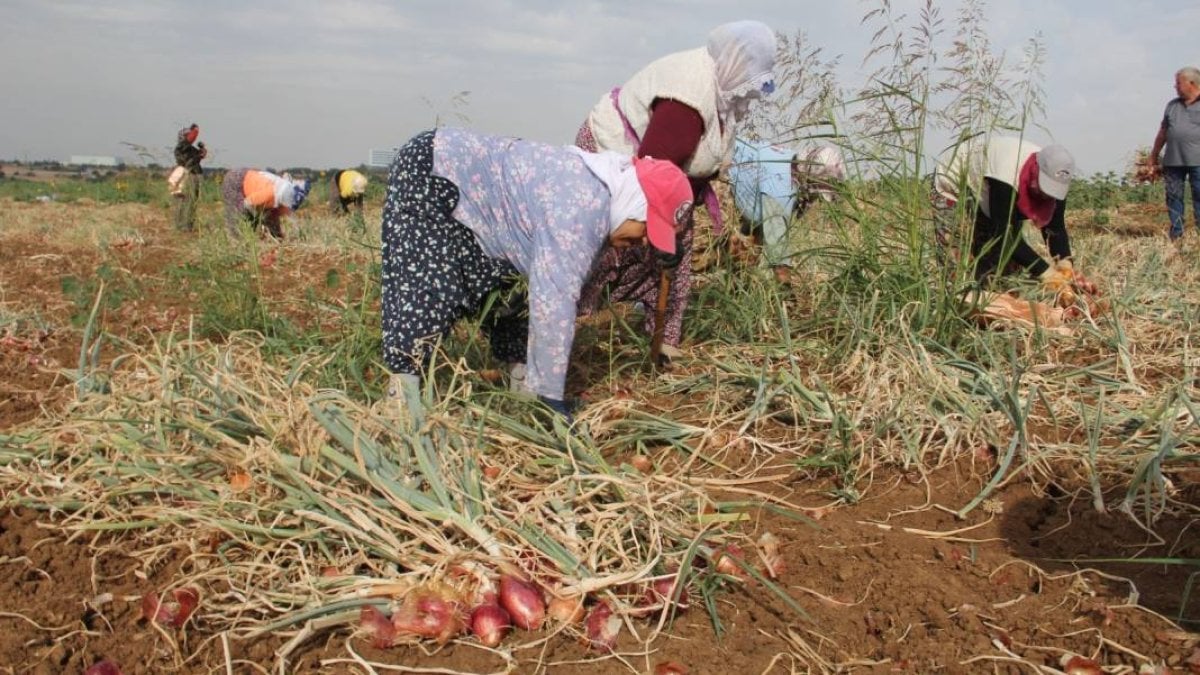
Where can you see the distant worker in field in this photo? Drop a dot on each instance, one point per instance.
(347, 188)
(684, 108)
(187, 177)
(1179, 133)
(774, 186)
(261, 198)
(1005, 181)
(467, 214)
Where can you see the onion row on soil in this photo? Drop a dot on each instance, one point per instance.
(301, 504)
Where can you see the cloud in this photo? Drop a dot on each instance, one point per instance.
(313, 82)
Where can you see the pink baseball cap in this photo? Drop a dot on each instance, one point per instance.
(668, 200)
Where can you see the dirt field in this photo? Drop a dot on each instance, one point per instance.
(891, 584)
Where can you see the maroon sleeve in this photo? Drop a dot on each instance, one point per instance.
(673, 133)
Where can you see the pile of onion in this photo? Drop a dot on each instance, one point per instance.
(438, 612)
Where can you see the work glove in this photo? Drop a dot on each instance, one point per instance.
(669, 261)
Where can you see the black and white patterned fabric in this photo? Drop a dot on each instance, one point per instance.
(434, 271)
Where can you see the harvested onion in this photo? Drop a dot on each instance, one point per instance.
(642, 463)
(602, 627)
(430, 612)
(174, 612)
(104, 667)
(1078, 665)
(772, 558)
(523, 601)
(378, 626)
(661, 591)
(565, 610)
(728, 560)
(490, 623)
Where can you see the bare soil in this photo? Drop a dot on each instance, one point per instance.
(891, 584)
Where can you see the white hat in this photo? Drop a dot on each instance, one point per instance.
(1056, 168)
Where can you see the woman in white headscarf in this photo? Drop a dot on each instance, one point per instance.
(683, 107)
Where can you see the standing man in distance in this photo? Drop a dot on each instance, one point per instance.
(1179, 133)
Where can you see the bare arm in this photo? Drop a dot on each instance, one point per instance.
(1159, 141)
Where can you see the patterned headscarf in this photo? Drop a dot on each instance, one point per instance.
(744, 52)
(299, 192)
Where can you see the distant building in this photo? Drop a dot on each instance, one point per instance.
(380, 158)
(94, 160)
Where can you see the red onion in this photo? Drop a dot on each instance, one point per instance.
(1078, 665)
(523, 601)
(660, 592)
(642, 463)
(670, 668)
(429, 613)
(378, 626)
(566, 610)
(490, 623)
(601, 628)
(105, 667)
(725, 558)
(173, 612)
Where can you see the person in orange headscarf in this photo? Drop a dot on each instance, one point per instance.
(260, 197)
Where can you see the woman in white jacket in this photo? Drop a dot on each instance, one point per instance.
(684, 108)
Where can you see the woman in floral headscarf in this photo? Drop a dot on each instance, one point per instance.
(683, 107)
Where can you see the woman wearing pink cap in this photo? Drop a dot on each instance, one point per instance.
(683, 107)
(466, 214)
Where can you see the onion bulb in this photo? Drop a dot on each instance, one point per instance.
(523, 601)
(642, 463)
(662, 590)
(772, 558)
(104, 667)
(728, 560)
(430, 612)
(602, 627)
(490, 623)
(566, 610)
(1078, 665)
(378, 626)
(670, 668)
(174, 612)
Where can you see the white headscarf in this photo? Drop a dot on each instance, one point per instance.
(824, 163)
(744, 52)
(615, 170)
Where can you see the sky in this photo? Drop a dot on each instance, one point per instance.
(318, 83)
